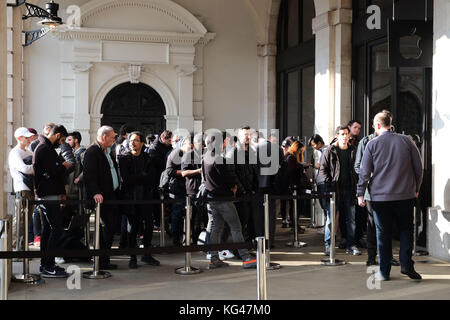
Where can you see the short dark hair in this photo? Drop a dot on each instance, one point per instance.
(166, 134)
(245, 127)
(351, 122)
(341, 127)
(124, 129)
(150, 138)
(75, 135)
(139, 134)
(59, 129)
(316, 139)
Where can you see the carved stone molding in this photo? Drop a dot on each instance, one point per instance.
(81, 67)
(94, 34)
(185, 71)
(134, 72)
(165, 8)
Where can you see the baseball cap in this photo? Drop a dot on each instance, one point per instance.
(22, 132)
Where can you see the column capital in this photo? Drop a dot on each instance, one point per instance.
(267, 49)
(81, 67)
(332, 18)
(185, 71)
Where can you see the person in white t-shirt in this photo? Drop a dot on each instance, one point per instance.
(21, 169)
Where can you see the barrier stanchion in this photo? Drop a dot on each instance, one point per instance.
(4, 284)
(269, 265)
(260, 269)
(333, 261)
(96, 273)
(296, 243)
(162, 224)
(188, 269)
(26, 277)
(88, 229)
(80, 211)
(312, 207)
(17, 210)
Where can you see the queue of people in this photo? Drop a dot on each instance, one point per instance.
(212, 166)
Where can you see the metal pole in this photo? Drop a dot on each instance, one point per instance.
(188, 269)
(4, 289)
(296, 243)
(312, 208)
(333, 261)
(162, 238)
(269, 265)
(415, 231)
(260, 270)
(26, 277)
(18, 233)
(96, 273)
(88, 230)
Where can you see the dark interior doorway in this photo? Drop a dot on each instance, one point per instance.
(138, 105)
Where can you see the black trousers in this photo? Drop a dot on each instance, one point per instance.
(258, 216)
(371, 233)
(140, 214)
(108, 223)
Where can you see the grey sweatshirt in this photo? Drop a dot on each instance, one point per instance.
(391, 168)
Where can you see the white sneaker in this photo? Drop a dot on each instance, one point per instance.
(208, 256)
(59, 260)
(225, 255)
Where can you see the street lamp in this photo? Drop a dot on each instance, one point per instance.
(50, 21)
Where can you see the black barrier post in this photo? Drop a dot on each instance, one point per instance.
(188, 269)
(332, 261)
(269, 265)
(4, 284)
(296, 243)
(162, 223)
(26, 277)
(96, 273)
(260, 270)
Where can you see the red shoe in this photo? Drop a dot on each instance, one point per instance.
(37, 241)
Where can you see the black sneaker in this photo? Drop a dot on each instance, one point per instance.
(371, 262)
(412, 274)
(148, 259)
(249, 263)
(55, 272)
(394, 262)
(214, 264)
(132, 264)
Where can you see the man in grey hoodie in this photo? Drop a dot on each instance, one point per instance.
(392, 171)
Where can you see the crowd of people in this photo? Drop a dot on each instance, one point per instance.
(214, 166)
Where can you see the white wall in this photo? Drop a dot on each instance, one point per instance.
(230, 63)
(230, 68)
(438, 241)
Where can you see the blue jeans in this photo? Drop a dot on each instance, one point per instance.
(221, 213)
(346, 208)
(384, 214)
(325, 205)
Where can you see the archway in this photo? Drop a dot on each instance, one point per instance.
(138, 105)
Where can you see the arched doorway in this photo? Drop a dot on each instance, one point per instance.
(138, 105)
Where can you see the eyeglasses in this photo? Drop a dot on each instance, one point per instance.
(135, 141)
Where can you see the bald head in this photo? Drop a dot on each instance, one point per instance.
(106, 136)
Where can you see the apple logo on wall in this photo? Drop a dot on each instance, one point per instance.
(410, 45)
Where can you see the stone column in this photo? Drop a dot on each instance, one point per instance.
(267, 91)
(3, 109)
(81, 118)
(332, 27)
(186, 97)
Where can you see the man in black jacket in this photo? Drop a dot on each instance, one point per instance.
(220, 183)
(338, 173)
(49, 177)
(242, 163)
(138, 182)
(102, 183)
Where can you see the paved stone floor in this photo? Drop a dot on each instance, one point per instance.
(301, 277)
